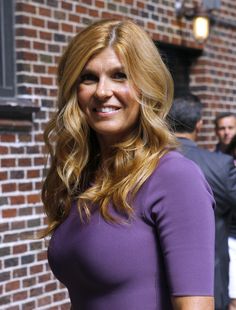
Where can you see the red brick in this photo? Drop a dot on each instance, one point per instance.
(9, 187)
(39, 69)
(44, 301)
(33, 198)
(17, 200)
(36, 269)
(11, 162)
(22, 43)
(29, 282)
(59, 296)
(21, 248)
(151, 25)
(67, 6)
(53, 25)
(26, 32)
(39, 22)
(45, 277)
(67, 28)
(24, 162)
(20, 296)
(3, 176)
(51, 70)
(140, 5)
(5, 299)
(45, 35)
(38, 185)
(33, 174)
(25, 187)
(22, 19)
(51, 287)
(4, 227)
(24, 7)
(38, 161)
(45, 12)
(3, 150)
(39, 46)
(29, 305)
(39, 210)
(9, 213)
(74, 18)
(12, 286)
(107, 15)
(93, 13)
(27, 56)
(8, 138)
(81, 9)
(46, 80)
(53, 92)
(18, 225)
(99, 4)
(20, 272)
(36, 291)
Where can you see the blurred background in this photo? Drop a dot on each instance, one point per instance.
(33, 35)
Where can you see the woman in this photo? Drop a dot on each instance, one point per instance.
(131, 219)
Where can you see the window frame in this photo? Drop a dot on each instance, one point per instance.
(7, 47)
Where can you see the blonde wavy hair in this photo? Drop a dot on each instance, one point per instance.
(76, 172)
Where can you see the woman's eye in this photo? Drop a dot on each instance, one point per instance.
(120, 76)
(88, 78)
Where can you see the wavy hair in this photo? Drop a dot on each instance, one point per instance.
(76, 172)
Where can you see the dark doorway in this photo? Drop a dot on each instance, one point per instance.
(179, 60)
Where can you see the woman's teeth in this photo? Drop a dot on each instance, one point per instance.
(106, 109)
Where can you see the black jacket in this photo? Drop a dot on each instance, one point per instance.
(220, 173)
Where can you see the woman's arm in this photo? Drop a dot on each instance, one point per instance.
(193, 303)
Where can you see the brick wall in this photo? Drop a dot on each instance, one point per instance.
(213, 76)
(42, 28)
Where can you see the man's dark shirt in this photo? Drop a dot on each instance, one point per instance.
(220, 173)
(232, 227)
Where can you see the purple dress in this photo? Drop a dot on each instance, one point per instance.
(166, 250)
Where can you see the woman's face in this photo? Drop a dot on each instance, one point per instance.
(107, 98)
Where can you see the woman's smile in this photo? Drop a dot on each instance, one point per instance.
(106, 110)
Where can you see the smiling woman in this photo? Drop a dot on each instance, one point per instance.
(108, 99)
(129, 230)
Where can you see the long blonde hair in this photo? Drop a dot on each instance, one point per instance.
(76, 172)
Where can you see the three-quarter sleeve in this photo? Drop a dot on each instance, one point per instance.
(180, 204)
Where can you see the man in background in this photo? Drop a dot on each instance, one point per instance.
(220, 172)
(225, 128)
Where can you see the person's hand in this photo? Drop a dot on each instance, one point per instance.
(193, 303)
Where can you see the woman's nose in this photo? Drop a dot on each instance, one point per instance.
(103, 89)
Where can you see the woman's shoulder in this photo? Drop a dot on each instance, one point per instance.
(174, 171)
(174, 163)
(176, 174)
(176, 185)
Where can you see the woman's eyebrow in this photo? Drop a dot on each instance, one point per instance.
(112, 69)
(116, 68)
(87, 70)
